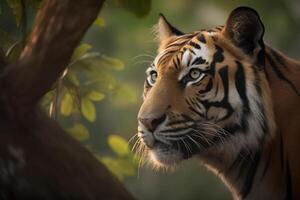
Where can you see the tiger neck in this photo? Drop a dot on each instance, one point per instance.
(265, 173)
(250, 174)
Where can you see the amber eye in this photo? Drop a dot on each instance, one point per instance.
(152, 77)
(195, 74)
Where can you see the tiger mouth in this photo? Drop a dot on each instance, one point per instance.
(183, 148)
(166, 146)
(162, 154)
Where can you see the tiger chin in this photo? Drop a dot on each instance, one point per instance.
(208, 94)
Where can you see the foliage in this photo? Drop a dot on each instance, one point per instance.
(118, 145)
(87, 81)
(79, 131)
(17, 7)
(124, 163)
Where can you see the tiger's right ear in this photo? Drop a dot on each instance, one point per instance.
(165, 30)
(245, 29)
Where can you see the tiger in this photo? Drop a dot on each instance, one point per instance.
(226, 97)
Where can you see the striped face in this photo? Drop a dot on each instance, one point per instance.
(201, 94)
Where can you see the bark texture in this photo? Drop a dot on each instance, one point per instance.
(38, 160)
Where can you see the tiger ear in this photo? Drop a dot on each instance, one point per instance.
(245, 29)
(165, 30)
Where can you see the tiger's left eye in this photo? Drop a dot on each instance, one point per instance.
(152, 76)
(195, 74)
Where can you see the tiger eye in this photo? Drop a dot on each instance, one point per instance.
(153, 76)
(195, 73)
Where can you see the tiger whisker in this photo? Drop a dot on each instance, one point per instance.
(201, 134)
(202, 137)
(143, 55)
(186, 146)
(143, 62)
(197, 144)
(135, 145)
(132, 138)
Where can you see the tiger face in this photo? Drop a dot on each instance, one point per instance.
(205, 93)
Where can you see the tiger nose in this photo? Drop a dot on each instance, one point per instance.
(152, 123)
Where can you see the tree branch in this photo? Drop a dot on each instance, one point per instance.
(59, 27)
(38, 160)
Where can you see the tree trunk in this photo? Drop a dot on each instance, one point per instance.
(38, 160)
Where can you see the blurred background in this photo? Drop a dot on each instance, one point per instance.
(118, 48)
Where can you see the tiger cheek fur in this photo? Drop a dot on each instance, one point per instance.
(207, 94)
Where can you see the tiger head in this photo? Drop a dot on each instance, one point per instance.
(206, 92)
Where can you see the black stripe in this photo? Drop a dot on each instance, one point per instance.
(164, 57)
(175, 64)
(232, 129)
(193, 103)
(278, 58)
(198, 61)
(240, 83)
(219, 28)
(176, 44)
(246, 163)
(208, 87)
(280, 74)
(223, 72)
(178, 60)
(267, 164)
(176, 122)
(196, 111)
(195, 45)
(189, 60)
(289, 189)
(242, 155)
(202, 39)
(173, 130)
(250, 175)
(192, 51)
(218, 57)
(211, 30)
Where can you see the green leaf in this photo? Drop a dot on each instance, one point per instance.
(138, 7)
(118, 145)
(79, 132)
(95, 96)
(99, 22)
(113, 166)
(72, 78)
(124, 96)
(94, 60)
(80, 51)
(16, 7)
(120, 167)
(88, 109)
(66, 105)
(113, 62)
(127, 167)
